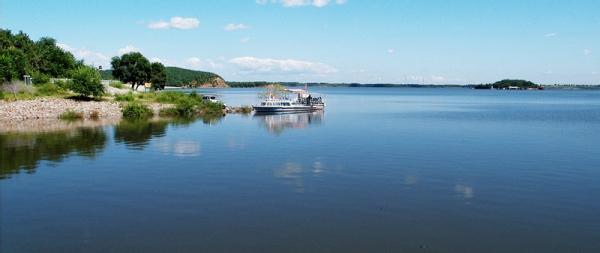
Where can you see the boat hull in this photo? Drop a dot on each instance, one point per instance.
(283, 108)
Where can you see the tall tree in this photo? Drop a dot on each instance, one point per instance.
(51, 59)
(131, 68)
(158, 75)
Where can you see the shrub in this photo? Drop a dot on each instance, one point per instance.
(17, 90)
(40, 78)
(186, 107)
(117, 84)
(86, 82)
(48, 89)
(64, 85)
(210, 108)
(168, 112)
(70, 115)
(125, 97)
(1, 94)
(136, 111)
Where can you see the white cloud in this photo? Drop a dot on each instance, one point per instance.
(182, 23)
(297, 3)
(198, 64)
(587, 51)
(128, 49)
(550, 35)
(88, 56)
(159, 60)
(244, 40)
(266, 65)
(391, 51)
(233, 27)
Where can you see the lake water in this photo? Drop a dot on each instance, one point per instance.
(381, 170)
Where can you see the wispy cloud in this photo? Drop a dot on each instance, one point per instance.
(128, 49)
(88, 56)
(391, 51)
(182, 23)
(548, 35)
(234, 27)
(266, 65)
(298, 3)
(244, 40)
(587, 51)
(199, 64)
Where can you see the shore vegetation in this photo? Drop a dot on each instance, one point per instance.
(136, 110)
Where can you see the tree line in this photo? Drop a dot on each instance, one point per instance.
(44, 59)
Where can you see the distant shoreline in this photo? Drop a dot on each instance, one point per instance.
(383, 85)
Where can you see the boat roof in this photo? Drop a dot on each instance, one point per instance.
(299, 91)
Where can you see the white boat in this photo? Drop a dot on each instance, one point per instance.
(281, 103)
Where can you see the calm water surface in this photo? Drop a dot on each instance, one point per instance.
(381, 170)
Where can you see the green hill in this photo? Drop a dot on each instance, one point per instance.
(184, 77)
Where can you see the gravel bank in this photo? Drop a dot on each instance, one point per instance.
(52, 108)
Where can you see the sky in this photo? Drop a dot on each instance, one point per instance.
(377, 41)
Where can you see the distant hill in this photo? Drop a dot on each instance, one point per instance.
(181, 77)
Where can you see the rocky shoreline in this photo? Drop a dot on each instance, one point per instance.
(52, 108)
(42, 114)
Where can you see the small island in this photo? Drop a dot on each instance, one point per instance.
(510, 84)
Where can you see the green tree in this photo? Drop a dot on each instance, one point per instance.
(86, 82)
(13, 62)
(131, 68)
(158, 75)
(51, 60)
(7, 68)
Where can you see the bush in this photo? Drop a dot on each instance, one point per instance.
(86, 82)
(117, 84)
(48, 89)
(1, 94)
(64, 85)
(70, 115)
(17, 90)
(186, 107)
(210, 108)
(168, 112)
(125, 97)
(136, 111)
(40, 78)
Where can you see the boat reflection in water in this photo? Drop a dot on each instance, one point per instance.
(278, 122)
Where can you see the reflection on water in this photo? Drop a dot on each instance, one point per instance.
(181, 148)
(466, 192)
(277, 123)
(24, 148)
(23, 151)
(297, 175)
(137, 134)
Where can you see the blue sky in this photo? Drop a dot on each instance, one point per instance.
(332, 40)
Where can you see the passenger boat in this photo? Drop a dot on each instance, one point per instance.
(281, 105)
(280, 102)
